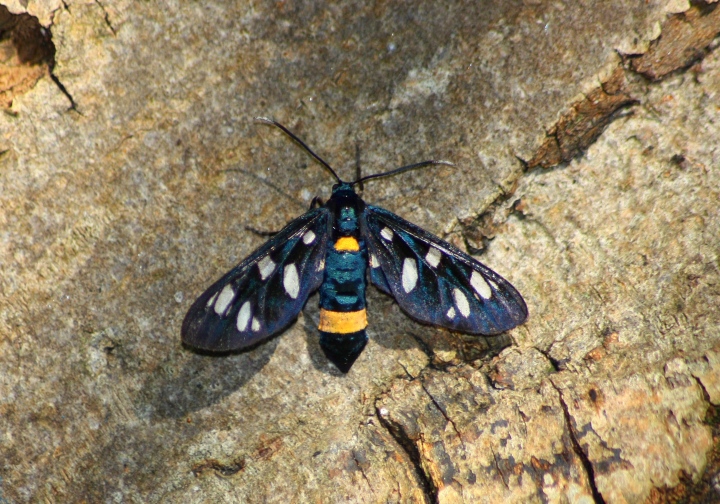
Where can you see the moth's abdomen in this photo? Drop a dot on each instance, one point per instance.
(343, 318)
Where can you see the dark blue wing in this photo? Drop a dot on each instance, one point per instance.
(263, 294)
(436, 283)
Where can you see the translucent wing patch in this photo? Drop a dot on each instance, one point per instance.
(434, 282)
(264, 293)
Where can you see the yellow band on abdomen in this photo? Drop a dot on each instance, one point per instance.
(347, 244)
(342, 322)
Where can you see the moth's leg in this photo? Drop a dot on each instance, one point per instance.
(316, 202)
(260, 232)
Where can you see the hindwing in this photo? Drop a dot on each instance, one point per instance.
(436, 283)
(265, 292)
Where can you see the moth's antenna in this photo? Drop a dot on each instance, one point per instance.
(358, 171)
(402, 169)
(302, 144)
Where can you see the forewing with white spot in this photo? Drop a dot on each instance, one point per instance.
(434, 282)
(265, 292)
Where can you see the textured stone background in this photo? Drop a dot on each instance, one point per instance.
(586, 138)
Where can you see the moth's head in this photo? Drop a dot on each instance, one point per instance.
(346, 206)
(341, 188)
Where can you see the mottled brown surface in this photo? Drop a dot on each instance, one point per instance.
(26, 54)
(586, 119)
(684, 39)
(115, 215)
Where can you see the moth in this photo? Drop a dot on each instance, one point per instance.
(331, 248)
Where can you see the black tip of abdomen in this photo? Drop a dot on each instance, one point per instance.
(343, 349)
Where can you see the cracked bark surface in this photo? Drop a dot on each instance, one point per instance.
(591, 188)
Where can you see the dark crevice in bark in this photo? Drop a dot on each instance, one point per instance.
(523, 163)
(106, 17)
(359, 463)
(479, 231)
(430, 491)
(423, 346)
(218, 467)
(443, 413)
(587, 465)
(706, 395)
(63, 90)
(497, 467)
(407, 373)
(556, 364)
(427, 350)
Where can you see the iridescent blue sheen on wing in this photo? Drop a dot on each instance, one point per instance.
(436, 283)
(264, 293)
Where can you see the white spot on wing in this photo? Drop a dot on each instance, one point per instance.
(266, 266)
(387, 233)
(255, 325)
(291, 281)
(374, 261)
(480, 285)
(461, 302)
(212, 300)
(433, 257)
(409, 274)
(224, 299)
(243, 316)
(451, 313)
(494, 285)
(321, 265)
(308, 237)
